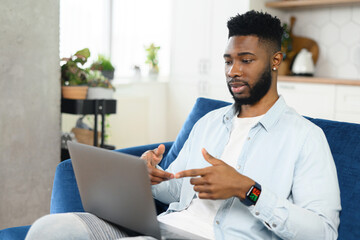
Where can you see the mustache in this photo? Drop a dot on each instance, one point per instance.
(234, 81)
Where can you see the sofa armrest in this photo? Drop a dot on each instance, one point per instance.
(14, 233)
(65, 194)
(137, 151)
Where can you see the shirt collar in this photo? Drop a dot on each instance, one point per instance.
(270, 118)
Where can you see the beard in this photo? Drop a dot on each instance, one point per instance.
(257, 92)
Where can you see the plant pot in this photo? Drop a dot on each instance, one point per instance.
(100, 93)
(153, 74)
(108, 74)
(74, 92)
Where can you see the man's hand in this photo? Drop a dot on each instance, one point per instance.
(220, 181)
(152, 158)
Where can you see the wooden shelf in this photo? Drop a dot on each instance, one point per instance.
(285, 4)
(319, 80)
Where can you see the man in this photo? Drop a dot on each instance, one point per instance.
(253, 170)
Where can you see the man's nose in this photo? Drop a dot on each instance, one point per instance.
(234, 71)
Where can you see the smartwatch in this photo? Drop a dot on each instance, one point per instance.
(252, 195)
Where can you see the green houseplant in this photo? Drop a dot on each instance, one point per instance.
(99, 86)
(73, 76)
(104, 65)
(286, 41)
(152, 58)
(286, 48)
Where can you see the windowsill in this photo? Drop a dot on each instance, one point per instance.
(119, 81)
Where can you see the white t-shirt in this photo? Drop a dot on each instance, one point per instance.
(198, 218)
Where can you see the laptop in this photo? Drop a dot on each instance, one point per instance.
(116, 187)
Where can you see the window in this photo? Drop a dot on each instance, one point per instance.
(119, 29)
(136, 24)
(84, 23)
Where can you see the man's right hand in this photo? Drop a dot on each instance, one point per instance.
(152, 158)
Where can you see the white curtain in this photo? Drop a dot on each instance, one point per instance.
(119, 29)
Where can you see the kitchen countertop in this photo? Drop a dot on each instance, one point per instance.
(335, 81)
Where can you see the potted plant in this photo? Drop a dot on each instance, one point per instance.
(104, 65)
(284, 68)
(99, 86)
(73, 77)
(152, 58)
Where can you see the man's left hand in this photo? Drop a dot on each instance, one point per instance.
(219, 181)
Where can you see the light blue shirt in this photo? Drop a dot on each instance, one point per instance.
(287, 155)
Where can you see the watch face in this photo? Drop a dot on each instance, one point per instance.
(254, 194)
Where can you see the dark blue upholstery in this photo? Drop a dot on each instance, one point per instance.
(65, 195)
(14, 233)
(344, 141)
(343, 138)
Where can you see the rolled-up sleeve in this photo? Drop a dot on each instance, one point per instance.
(312, 210)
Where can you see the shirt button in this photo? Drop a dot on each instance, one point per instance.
(227, 118)
(238, 167)
(257, 213)
(217, 222)
(274, 225)
(248, 138)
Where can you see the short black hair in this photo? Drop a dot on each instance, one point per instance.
(266, 27)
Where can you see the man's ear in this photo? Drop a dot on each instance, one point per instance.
(277, 59)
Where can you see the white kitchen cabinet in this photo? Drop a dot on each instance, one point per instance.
(320, 100)
(310, 99)
(199, 37)
(190, 36)
(348, 103)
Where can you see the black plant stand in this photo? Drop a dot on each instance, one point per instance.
(93, 107)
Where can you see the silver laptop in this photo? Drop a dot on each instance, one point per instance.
(116, 187)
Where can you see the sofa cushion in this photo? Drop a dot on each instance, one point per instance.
(14, 233)
(201, 107)
(344, 142)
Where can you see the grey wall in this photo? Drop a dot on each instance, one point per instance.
(29, 108)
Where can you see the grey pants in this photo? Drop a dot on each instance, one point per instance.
(79, 226)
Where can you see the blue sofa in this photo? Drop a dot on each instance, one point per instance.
(343, 138)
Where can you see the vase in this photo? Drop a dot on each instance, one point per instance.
(153, 74)
(74, 92)
(100, 93)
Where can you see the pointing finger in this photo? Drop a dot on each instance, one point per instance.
(190, 173)
(160, 173)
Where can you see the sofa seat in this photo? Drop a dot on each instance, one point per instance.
(344, 142)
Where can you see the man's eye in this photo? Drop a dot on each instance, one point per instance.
(247, 60)
(227, 62)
